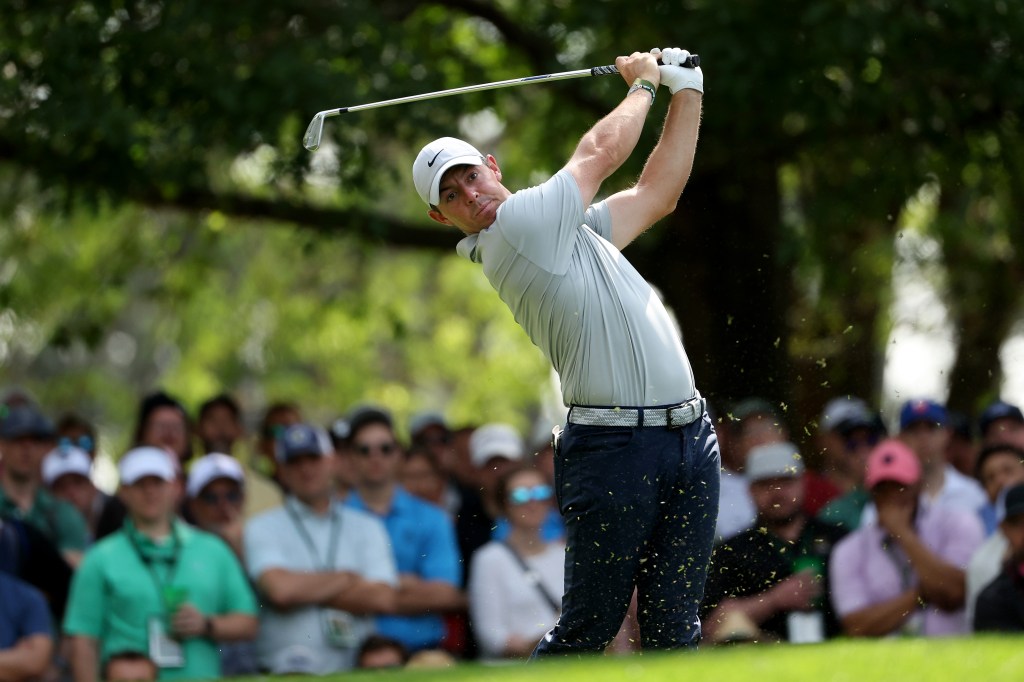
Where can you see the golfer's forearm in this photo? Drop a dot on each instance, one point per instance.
(609, 143)
(668, 168)
(880, 619)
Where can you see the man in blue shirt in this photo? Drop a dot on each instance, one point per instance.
(26, 640)
(422, 535)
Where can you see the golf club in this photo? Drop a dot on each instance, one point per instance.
(311, 140)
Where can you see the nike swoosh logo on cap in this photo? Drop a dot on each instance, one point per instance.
(430, 164)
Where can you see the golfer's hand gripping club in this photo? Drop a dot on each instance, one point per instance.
(314, 133)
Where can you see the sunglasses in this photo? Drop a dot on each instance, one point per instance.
(233, 497)
(82, 442)
(386, 449)
(524, 494)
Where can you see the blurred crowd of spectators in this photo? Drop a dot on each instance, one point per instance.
(303, 548)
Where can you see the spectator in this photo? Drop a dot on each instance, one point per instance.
(26, 639)
(26, 435)
(344, 467)
(1000, 606)
(67, 475)
(163, 423)
(962, 452)
(924, 426)
(219, 425)
(157, 585)
(277, 417)
(215, 497)
(324, 570)
(774, 574)
(422, 535)
(429, 430)
(378, 651)
(516, 585)
(1000, 467)
(903, 572)
(847, 432)
(74, 430)
(752, 422)
(422, 476)
(1002, 422)
(27, 554)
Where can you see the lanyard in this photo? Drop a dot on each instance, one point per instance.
(332, 543)
(172, 569)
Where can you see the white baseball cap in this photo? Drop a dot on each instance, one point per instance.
(437, 157)
(207, 469)
(64, 460)
(146, 461)
(495, 440)
(774, 460)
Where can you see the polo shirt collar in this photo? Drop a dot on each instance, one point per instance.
(467, 248)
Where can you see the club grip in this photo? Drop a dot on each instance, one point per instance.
(692, 62)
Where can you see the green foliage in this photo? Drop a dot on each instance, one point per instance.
(103, 306)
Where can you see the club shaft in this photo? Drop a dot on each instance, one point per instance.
(564, 75)
(311, 140)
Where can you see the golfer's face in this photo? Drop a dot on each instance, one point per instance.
(470, 196)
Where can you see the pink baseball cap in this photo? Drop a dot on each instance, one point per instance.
(892, 460)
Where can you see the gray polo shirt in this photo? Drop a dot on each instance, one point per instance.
(294, 538)
(602, 326)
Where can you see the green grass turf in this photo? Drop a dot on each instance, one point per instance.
(971, 659)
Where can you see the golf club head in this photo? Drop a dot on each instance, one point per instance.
(311, 140)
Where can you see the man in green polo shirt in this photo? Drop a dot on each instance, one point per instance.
(26, 435)
(157, 587)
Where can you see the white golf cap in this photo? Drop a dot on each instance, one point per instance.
(146, 461)
(437, 157)
(208, 469)
(774, 460)
(495, 440)
(64, 460)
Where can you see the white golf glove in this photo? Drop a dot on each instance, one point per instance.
(674, 76)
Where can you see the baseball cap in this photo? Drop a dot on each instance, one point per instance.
(146, 461)
(1015, 501)
(364, 415)
(302, 439)
(919, 410)
(437, 157)
(845, 414)
(64, 460)
(750, 407)
(209, 468)
(996, 411)
(892, 460)
(424, 420)
(774, 460)
(24, 420)
(495, 440)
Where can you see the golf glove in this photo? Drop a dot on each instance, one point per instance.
(676, 77)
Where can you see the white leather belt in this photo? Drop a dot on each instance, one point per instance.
(674, 416)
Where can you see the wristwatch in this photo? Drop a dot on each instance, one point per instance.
(641, 84)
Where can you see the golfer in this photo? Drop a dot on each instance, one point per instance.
(637, 464)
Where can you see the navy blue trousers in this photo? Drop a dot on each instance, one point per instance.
(640, 506)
